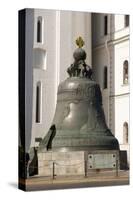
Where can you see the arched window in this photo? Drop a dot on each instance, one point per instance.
(125, 72)
(38, 102)
(105, 78)
(126, 20)
(125, 133)
(39, 29)
(105, 25)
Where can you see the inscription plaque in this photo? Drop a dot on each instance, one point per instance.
(102, 161)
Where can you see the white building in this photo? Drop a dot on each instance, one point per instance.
(50, 43)
(110, 61)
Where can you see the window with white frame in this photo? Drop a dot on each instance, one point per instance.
(105, 25)
(126, 20)
(39, 29)
(38, 102)
(125, 133)
(105, 77)
(125, 72)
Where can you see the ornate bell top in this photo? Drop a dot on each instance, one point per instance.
(79, 68)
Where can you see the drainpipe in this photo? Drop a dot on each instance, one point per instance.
(108, 71)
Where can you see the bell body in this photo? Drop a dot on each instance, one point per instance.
(79, 119)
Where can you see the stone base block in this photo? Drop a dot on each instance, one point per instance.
(77, 162)
(61, 163)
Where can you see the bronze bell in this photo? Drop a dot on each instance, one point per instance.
(79, 121)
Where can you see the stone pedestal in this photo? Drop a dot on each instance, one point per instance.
(76, 162)
(61, 163)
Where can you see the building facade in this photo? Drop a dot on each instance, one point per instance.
(50, 43)
(110, 61)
